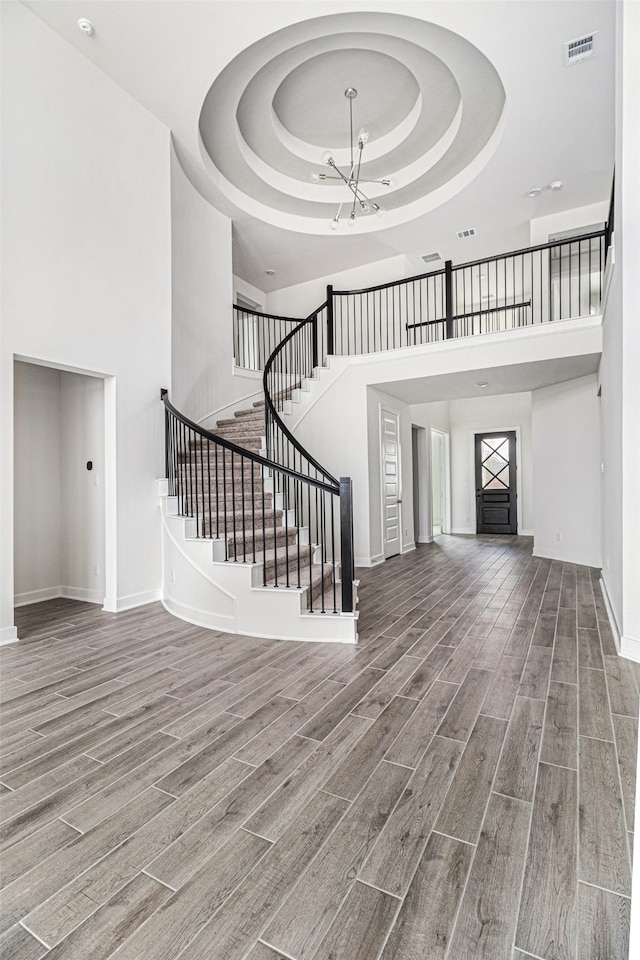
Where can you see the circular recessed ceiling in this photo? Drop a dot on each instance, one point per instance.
(432, 103)
(314, 109)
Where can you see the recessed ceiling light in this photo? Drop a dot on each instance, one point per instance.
(270, 272)
(535, 192)
(482, 384)
(555, 185)
(86, 26)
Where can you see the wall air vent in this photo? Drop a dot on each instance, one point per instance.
(431, 257)
(463, 234)
(577, 50)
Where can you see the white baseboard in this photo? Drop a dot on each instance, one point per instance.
(465, 531)
(630, 648)
(425, 539)
(626, 646)
(8, 635)
(613, 622)
(201, 618)
(369, 561)
(409, 547)
(37, 596)
(525, 532)
(555, 552)
(54, 593)
(82, 594)
(118, 604)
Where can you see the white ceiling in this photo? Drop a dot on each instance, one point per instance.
(510, 378)
(271, 77)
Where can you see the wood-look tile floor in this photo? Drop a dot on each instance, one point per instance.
(460, 786)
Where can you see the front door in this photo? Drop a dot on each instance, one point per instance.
(390, 454)
(496, 499)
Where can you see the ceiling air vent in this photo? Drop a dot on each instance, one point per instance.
(431, 257)
(577, 50)
(463, 234)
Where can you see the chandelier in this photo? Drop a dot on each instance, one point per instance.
(353, 194)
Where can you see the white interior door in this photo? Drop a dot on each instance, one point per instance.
(390, 462)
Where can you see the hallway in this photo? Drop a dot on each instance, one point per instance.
(460, 786)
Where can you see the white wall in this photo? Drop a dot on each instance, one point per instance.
(511, 411)
(621, 360)
(566, 471)
(300, 300)
(38, 523)
(340, 398)
(202, 378)
(541, 228)
(86, 263)
(242, 288)
(622, 374)
(82, 491)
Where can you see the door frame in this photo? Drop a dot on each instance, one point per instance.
(392, 413)
(109, 484)
(446, 518)
(471, 509)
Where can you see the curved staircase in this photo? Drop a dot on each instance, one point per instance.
(268, 543)
(235, 557)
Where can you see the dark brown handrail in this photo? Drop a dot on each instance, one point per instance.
(271, 409)
(331, 487)
(292, 360)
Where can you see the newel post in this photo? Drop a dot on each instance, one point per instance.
(164, 393)
(448, 297)
(347, 569)
(314, 341)
(330, 328)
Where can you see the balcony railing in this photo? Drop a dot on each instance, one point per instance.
(553, 281)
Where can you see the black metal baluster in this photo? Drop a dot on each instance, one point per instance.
(208, 508)
(217, 478)
(275, 552)
(321, 537)
(333, 555)
(298, 518)
(244, 522)
(264, 536)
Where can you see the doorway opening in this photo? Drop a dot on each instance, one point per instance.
(440, 483)
(390, 482)
(420, 439)
(59, 514)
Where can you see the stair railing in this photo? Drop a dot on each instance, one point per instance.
(252, 509)
(256, 335)
(552, 281)
(292, 363)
